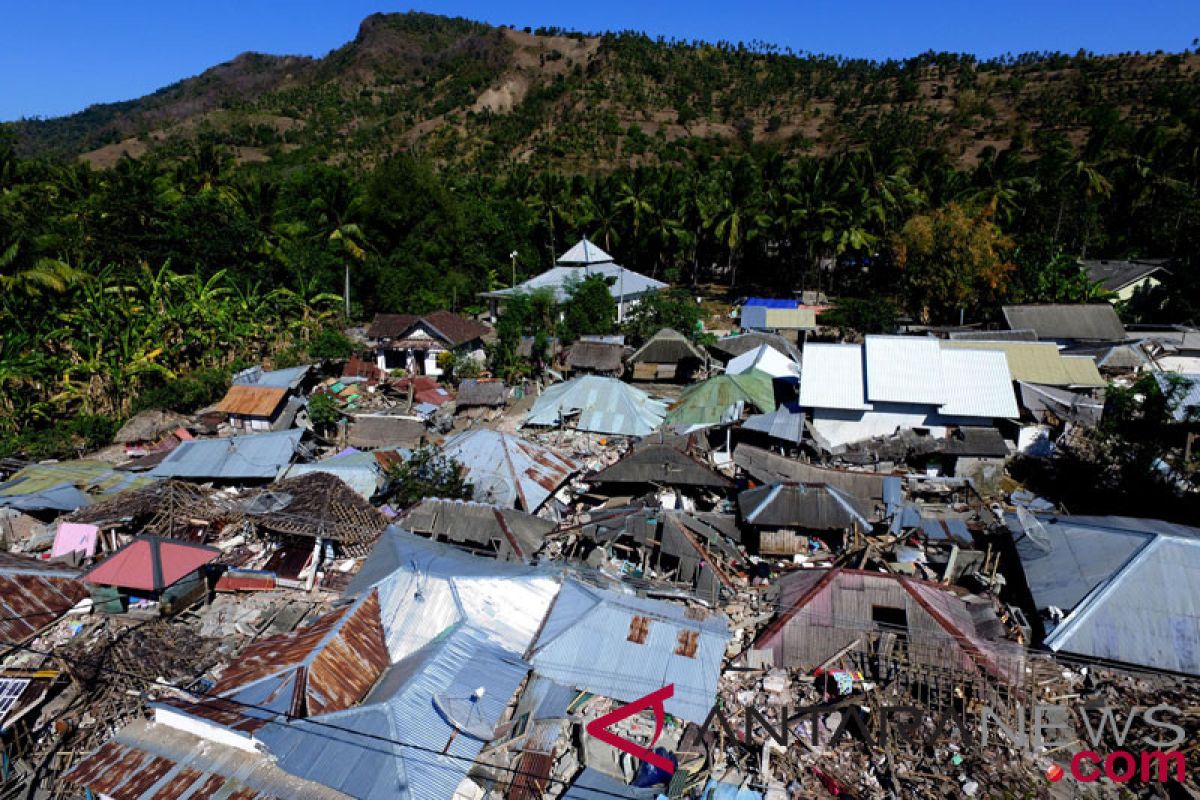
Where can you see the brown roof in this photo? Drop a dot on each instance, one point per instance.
(34, 594)
(253, 401)
(452, 328)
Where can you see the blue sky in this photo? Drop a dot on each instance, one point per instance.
(58, 56)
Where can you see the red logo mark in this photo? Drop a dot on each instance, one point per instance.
(599, 727)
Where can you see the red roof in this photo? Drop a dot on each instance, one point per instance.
(150, 563)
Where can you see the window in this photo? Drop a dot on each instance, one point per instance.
(639, 627)
(889, 616)
(686, 643)
(10, 692)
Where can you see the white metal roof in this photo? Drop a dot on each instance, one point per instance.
(585, 252)
(765, 358)
(978, 384)
(833, 377)
(904, 369)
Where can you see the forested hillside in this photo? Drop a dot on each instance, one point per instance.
(428, 149)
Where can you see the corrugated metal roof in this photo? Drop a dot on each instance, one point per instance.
(34, 594)
(151, 761)
(362, 472)
(740, 343)
(426, 587)
(782, 424)
(585, 252)
(255, 456)
(833, 377)
(1097, 322)
(801, 505)
(979, 384)
(361, 762)
(766, 359)
(1189, 395)
(603, 405)
(1148, 613)
(585, 642)
(621, 281)
(515, 534)
(662, 462)
(1082, 371)
(904, 369)
(253, 401)
(710, 401)
(668, 346)
(1033, 362)
(288, 378)
(64, 485)
(508, 470)
(592, 784)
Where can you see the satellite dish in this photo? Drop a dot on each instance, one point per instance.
(1034, 530)
(464, 714)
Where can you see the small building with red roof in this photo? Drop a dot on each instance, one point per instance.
(151, 568)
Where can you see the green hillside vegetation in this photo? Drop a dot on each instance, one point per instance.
(425, 151)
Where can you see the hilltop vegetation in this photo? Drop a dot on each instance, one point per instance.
(428, 149)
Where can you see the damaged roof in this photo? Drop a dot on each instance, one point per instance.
(317, 504)
(327, 666)
(390, 746)
(624, 647)
(65, 485)
(782, 423)
(515, 535)
(660, 461)
(473, 392)
(426, 587)
(712, 401)
(34, 594)
(149, 425)
(508, 470)
(599, 405)
(150, 761)
(256, 456)
(801, 505)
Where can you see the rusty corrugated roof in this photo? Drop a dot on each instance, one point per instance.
(253, 401)
(325, 667)
(34, 594)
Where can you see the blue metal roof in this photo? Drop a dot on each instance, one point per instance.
(592, 784)
(260, 455)
(360, 757)
(584, 642)
(769, 302)
(782, 424)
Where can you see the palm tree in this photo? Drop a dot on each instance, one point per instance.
(44, 275)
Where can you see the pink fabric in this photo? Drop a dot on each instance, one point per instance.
(73, 536)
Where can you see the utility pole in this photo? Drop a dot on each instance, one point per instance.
(513, 256)
(347, 292)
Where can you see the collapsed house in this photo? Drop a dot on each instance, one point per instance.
(880, 622)
(151, 430)
(474, 393)
(660, 462)
(259, 457)
(597, 355)
(723, 399)
(798, 518)
(889, 383)
(507, 470)
(483, 529)
(597, 404)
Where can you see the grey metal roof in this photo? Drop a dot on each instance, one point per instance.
(592, 784)
(508, 470)
(257, 456)
(770, 467)
(904, 369)
(833, 377)
(288, 378)
(801, 505)
(1022, 335)
(735, 345)
(360, 471)
(1147, 613)
(662, 462)
(782, 423)
(1096, 322)
(426, 587)
(1116, 274)
(515, 534)
(585, 643)
(603, 405)
(361, 758)
(1068, 557)
(978, 384)
(585, 252)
